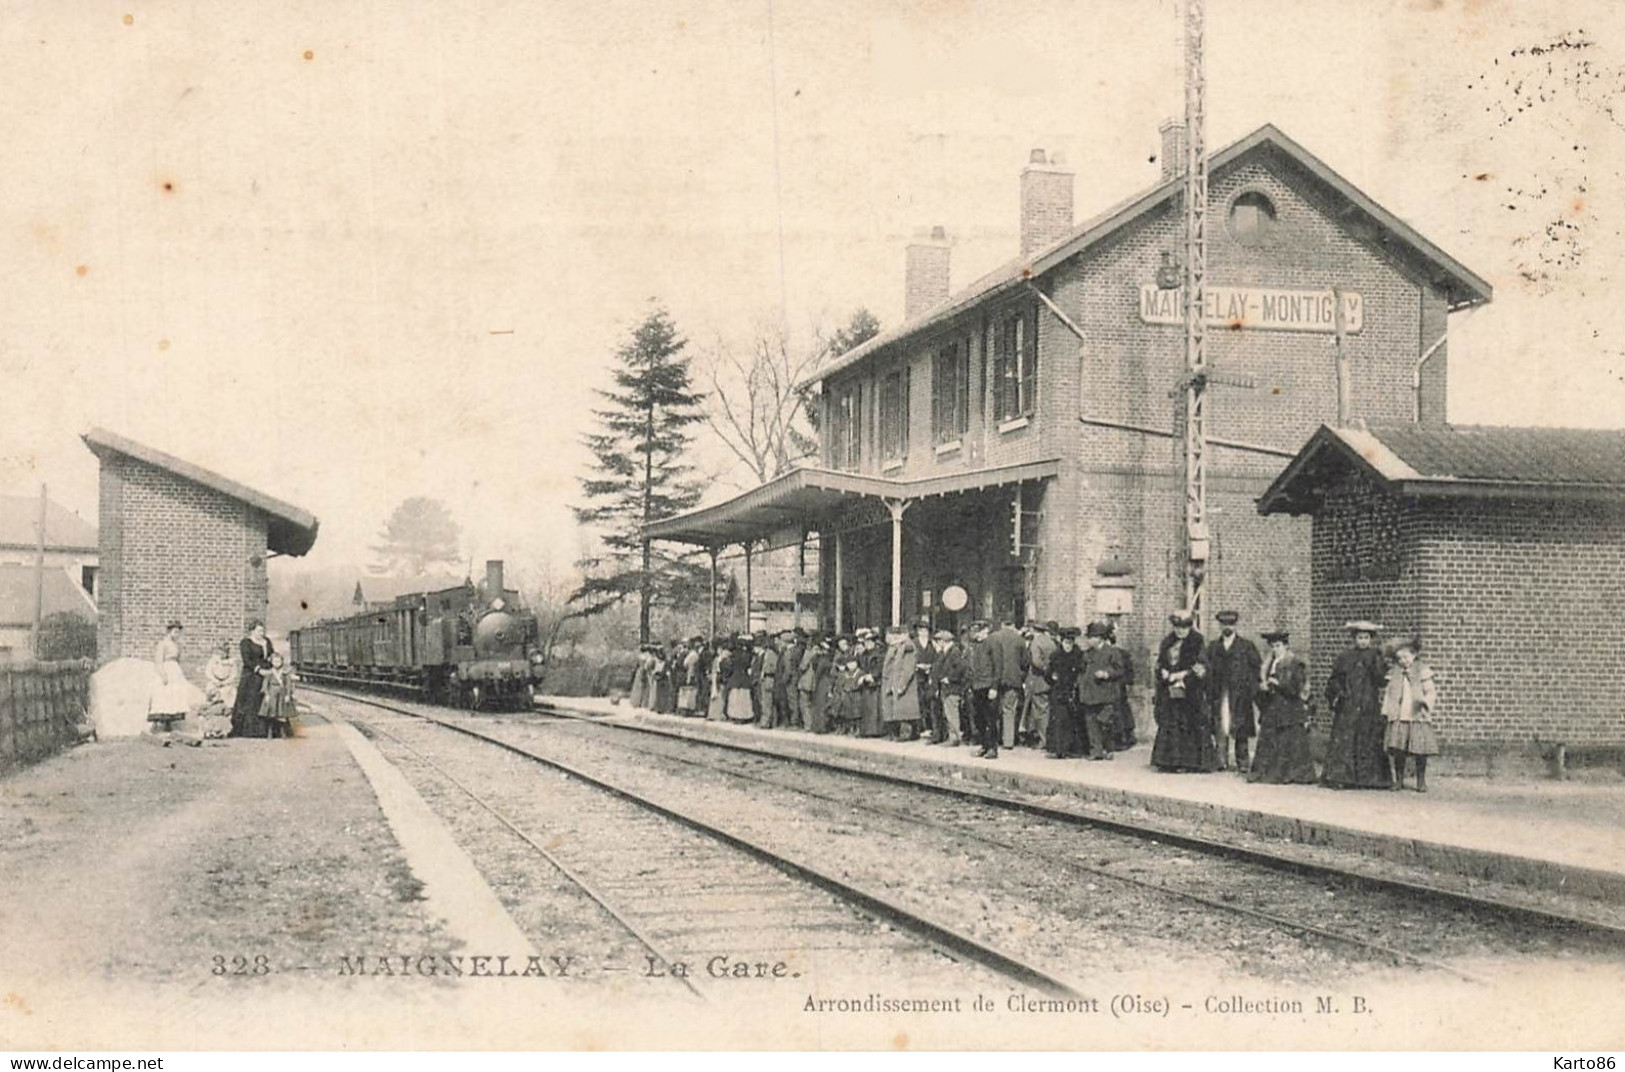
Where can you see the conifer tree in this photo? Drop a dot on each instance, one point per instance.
(640, 476)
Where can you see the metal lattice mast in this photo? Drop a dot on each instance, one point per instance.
(1195, 467)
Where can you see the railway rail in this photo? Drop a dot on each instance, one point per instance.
(1512, 911)
(1268, 891)
(673, 922)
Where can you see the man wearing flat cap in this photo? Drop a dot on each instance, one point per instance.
(984, 690)
(1234, 666)
(949, 675)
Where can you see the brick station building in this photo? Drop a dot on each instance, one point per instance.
(1502, 548)
(180, 541)
(1018, 441)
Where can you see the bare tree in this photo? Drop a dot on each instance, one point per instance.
(757, 406)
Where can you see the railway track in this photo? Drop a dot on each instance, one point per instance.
(1512, 911)
(654, 869)
(1268, 893)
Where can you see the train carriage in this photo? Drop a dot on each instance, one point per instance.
(455, 645)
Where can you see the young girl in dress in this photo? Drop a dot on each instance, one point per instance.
(276, 699)
(1408, 702)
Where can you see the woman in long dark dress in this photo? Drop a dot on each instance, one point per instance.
(1355, 756)
(1283, 756)
(1184, 727)
(256, 652)
(866, 690)
(1062, 737)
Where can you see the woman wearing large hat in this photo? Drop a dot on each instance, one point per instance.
(1184, 729)
(1355, 758)
(1283, 723)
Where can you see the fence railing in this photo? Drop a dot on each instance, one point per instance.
(42, 705)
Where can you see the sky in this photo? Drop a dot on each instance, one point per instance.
(353, 252)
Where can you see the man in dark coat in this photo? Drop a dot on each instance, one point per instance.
(950, 676)
(1233, 666)
(1184, 726)
(782, 686)
(925, 657)
(1098, 688)
(790, 674)
(984, 690)
(1354, 757)
(1009, 651)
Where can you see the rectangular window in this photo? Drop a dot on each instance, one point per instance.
(950, 392)
(1015, 367)
(894, 415)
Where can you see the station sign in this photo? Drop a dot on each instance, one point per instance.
(1257, 308)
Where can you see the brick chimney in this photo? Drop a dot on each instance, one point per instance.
(1046, 201)
(493, 579)
(1173, 148)
(925, 274)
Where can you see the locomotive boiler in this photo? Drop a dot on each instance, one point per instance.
(461, 646)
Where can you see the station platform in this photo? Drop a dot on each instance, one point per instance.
(1556, 837)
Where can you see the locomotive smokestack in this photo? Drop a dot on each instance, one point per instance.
(493, 579)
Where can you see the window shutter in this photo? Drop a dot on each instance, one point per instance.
(907, 411)
(1029, 366)
(939, 427)
(962, 400)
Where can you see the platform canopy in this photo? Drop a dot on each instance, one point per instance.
(782, 511)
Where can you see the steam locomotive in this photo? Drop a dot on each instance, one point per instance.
(458, 646)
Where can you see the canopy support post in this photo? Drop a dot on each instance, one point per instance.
(712, 552)
(897, 508)
(749, 625)
(840, 582)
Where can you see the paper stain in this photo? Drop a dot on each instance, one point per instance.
(82, 271)
(163, 344)
(129, 20)
(309, 55)
(15, 1000)
(899, 1041)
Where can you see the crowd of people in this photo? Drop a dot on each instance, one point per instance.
(1217, 705)
(987, 687)
(251, 696)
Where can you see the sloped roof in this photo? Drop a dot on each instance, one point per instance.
(802, 499)
(1472, 460)
(61, 594)
(64, 530)
(1462, 287)
(289, 530)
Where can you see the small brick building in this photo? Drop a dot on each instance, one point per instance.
(180, 541)
(1503, 548)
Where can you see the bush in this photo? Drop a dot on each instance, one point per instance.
(66, 635)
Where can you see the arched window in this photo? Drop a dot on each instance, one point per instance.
(1252, 218)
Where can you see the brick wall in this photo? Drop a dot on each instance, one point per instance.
(1523, 618)
(1520, 606)
(1121, 488)
(172, 548)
